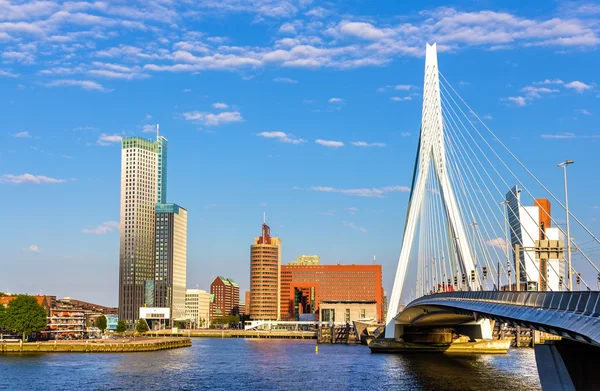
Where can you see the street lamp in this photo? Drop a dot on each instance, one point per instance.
(564, 167)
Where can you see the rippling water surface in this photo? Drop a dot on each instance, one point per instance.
(238, 364)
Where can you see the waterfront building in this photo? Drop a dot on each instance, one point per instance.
(139, 195)
(226, 297)
(347, 310)
(306, 260)
(170, 259)
(265, 280)
(247, 302)
(305, 288)
(528, 225)
(242, 308)
(197, 308)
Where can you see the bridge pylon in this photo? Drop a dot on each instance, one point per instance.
(432, 150)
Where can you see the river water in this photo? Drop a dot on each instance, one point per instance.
(251, 364)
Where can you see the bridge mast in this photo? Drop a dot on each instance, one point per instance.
(432, 151)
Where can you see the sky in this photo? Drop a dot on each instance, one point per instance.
(308, 111)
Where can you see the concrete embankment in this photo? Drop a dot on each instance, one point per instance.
(230, 333)
(97, 346)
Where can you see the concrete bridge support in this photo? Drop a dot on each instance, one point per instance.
(567, 365)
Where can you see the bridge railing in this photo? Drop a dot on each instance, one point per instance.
(584, 302)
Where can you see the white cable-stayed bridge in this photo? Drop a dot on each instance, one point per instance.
(485, 240)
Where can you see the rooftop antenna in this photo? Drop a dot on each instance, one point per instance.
(374, 259)
(156, 132)
(264, 217)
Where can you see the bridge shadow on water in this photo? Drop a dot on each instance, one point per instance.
(514, 371)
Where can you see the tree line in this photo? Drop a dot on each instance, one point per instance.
(24, 315)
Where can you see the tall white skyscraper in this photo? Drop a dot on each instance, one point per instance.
(140, 162)
(171, 258)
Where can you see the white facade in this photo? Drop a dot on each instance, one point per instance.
(155, 313)
(179, 262)
(139, 194)
(556, 267)
(197, 307)
(530, 232)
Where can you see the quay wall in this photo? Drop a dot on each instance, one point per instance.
(100, 346)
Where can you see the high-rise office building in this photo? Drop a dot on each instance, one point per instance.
(197, 308)
(265, 280)
(170, 258)
(226, 297)
(139, 196)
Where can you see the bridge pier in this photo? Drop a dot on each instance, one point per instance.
(469, 338)
(567, 365)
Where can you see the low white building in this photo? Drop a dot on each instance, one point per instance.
(197, 308)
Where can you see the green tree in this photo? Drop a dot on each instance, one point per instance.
(101, 322)
(24, 315)
(142, 326)
(121, 326)
(2, 316)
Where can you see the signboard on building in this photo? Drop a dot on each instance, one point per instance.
(111, 322)
(150, 313)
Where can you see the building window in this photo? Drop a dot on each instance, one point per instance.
(347, 315)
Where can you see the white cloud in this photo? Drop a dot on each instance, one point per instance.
(34, 249)
(28, 178)
(211, 119)
(583, 111)
(103, 228)
(517, 100)
(364, 30)
(288, 28)
(487, 116)
(219, 105)
(403, 87)
(365, 144)
(329, 143)
(317, 12)
(497, 242)
(558, 136)
(363, 192)
(350, 224)
(335, 100)
(6, 73)
(352, 210)
(537, 91)
(283, 137)
(23, 135)
(548, 81)
(405, 134)
(578, 86)
(399, 99)
(285, 80)
(106, 139)
(85, 84)
(149, 128)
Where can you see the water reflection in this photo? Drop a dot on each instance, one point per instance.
(237, 364)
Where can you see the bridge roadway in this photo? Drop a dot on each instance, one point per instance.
(572, 315)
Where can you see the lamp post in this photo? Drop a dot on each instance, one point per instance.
(564, 167)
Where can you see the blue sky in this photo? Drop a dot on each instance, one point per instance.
(308, 111)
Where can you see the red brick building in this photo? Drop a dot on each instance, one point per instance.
(226, 297)
(303, 288)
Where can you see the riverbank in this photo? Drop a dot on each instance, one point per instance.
(126, 345)
(233, 333)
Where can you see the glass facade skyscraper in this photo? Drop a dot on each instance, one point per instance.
(139, 195)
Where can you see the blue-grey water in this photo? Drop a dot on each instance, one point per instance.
(238, 364)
